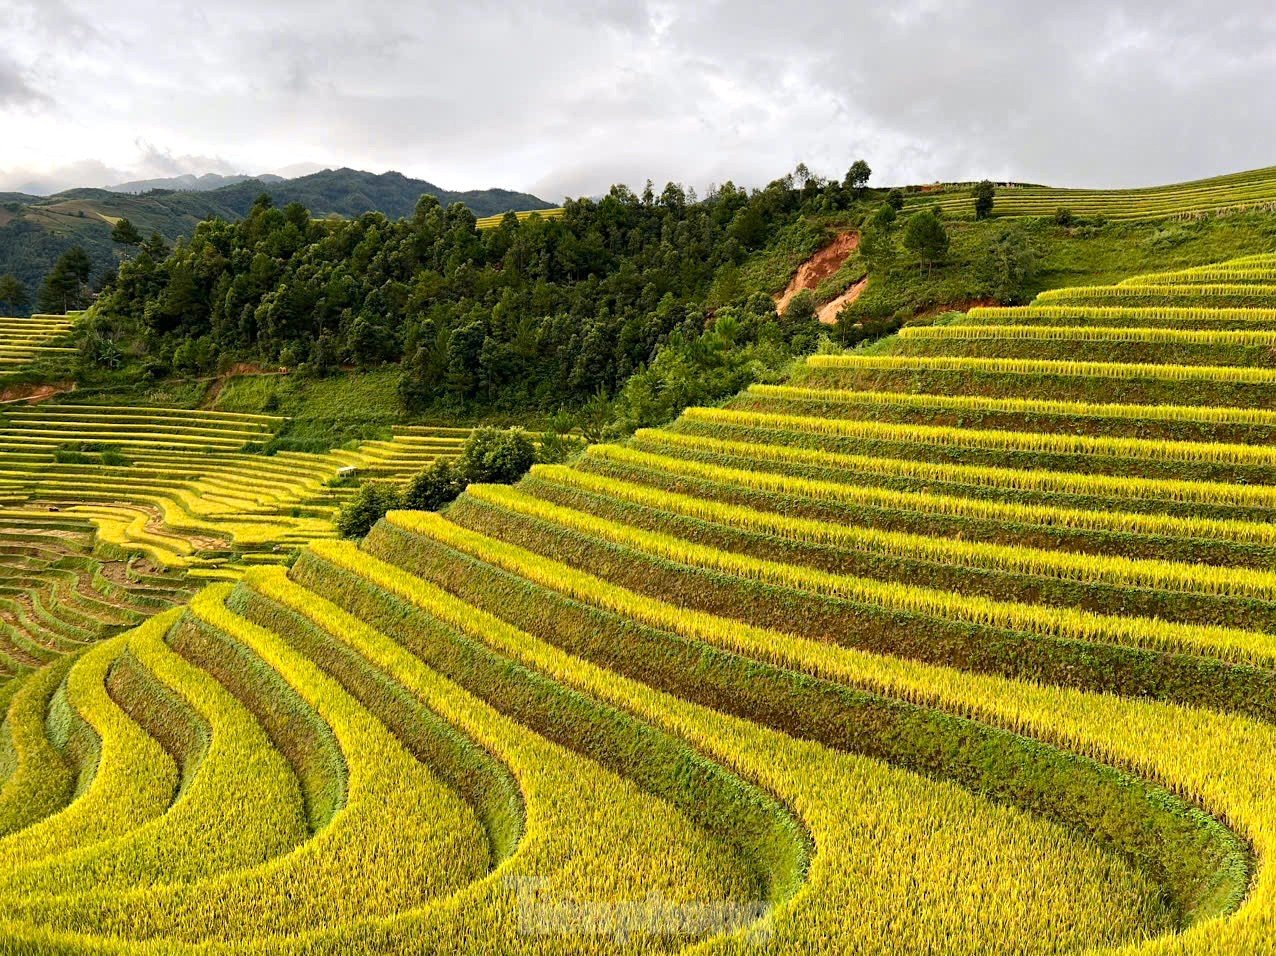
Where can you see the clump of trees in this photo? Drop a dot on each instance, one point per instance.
(1007, 268)
(489, 456)
(877, 239)
(374, 498)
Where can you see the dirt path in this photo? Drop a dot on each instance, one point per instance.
(961, 305)
(828, 312)
(34, 394)
(818, 268)
(242, 368)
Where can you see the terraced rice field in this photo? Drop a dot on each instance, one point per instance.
(491, 222)
(964, 643)
(185, 487)
(109, 515)
(62, 589)
(22, 341)
(1255, 189)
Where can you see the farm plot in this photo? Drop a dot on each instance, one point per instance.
(961, 643)
(1255, 189)
(174, 493)
(24, 340)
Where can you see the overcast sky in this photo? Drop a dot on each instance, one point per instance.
(565, 97)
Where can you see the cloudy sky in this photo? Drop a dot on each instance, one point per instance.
(564, 97)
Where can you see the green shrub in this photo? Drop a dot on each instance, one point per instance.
(490, 456)
(495, 456)
(366, 508)
(801, 308)
(431, 489)
(557, 447)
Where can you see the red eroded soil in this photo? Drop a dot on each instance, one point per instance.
(819, 267)
(828, 312)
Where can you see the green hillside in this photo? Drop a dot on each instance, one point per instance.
(960, 642)
(34, 231)
(1255, 189)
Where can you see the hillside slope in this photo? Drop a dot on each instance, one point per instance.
(34, 231)
(1253, 189)
(962, 643)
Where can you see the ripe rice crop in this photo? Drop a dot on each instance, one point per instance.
(492, 222)
(22, 341)
(1009, 479)
(1231, 644)
(1216, 276)
(1219, 290)
(1089, 334)
(1108, 568)
(850, 493)
(980, 403)
(1137, 315)
(962, 664)
(1219, 766)
(1047, 367)
(1044, 442)
(184, 488)
(1225, 194)
(739, 743)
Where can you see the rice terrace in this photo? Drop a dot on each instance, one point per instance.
(838, 563)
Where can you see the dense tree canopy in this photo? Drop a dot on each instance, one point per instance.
(537, 313)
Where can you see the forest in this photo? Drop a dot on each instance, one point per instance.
(538, 314)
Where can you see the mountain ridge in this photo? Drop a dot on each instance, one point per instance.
(190, 182)
(36, 230)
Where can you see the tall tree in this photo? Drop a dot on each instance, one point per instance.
(78, 261)
(64, 286)
(156, 247)
(985, 194)
(857, 177)
(877, 244)
(126, 234)
(1007, 267)
(13, 295)
(927, 239)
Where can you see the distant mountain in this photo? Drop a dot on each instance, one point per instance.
(35, 230)
(189, 183)
(350, 192)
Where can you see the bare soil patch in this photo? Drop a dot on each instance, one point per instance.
(819, 267)
(828, 312)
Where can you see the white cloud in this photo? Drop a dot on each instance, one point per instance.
(565, 97)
